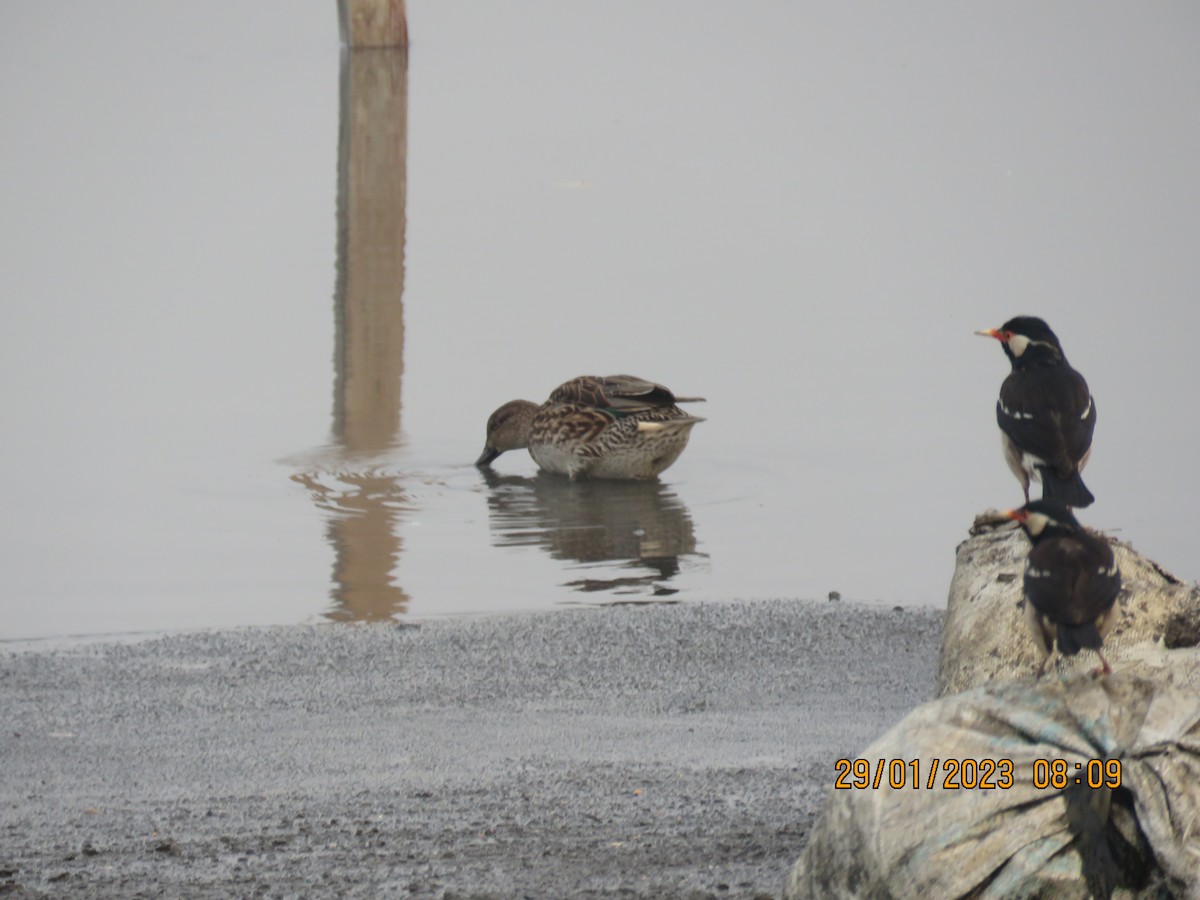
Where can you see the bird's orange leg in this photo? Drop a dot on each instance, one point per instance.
(1106, 669)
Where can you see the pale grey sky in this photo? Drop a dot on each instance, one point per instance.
(801, 212)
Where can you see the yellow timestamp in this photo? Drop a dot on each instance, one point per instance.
(1058, 773)
(972, 774)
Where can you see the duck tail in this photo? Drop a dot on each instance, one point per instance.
(652, 427)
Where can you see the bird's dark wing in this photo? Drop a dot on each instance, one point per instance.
(1072, 580)
(1078, 426)
(1099, 581)
(1051, 570)
(1049, 413)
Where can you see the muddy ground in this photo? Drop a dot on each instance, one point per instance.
(651, 751)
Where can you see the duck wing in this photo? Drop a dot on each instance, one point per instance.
(620, 393)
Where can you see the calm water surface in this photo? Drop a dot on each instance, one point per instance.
(259, 301)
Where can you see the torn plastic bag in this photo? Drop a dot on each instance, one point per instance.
(1092, 789)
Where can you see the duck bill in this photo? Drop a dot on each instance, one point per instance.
(486, 457)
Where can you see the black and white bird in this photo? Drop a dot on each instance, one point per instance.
(1071, 582)
(1045, 411)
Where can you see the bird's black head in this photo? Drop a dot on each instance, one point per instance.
(1027, 341)
(1045, 518)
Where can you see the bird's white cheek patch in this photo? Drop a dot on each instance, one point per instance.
(1036, 524)
(1087, 412)
(1017, 344)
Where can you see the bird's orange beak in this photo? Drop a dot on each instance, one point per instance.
(993, 333)
(1017, 515)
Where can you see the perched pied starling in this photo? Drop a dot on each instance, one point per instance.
(1045, 412)
(1071, 582)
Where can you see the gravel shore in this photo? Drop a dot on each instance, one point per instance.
(633, 751)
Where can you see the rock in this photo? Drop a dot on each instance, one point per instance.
(985, 638)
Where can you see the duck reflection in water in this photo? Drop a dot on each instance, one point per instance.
(641, 525)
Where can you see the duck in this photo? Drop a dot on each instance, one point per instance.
(610, 426)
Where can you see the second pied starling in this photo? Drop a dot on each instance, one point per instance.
(1071, 582)
(1045, 412)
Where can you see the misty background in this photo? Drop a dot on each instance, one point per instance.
(800, 212)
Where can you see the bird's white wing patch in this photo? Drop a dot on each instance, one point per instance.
(1014, 414)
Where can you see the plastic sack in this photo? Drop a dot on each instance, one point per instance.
(1079, 788)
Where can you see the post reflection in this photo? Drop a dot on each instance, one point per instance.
(642, 526)
(349, 482)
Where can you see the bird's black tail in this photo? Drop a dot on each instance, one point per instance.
(1073, 638)
(1071, 491)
